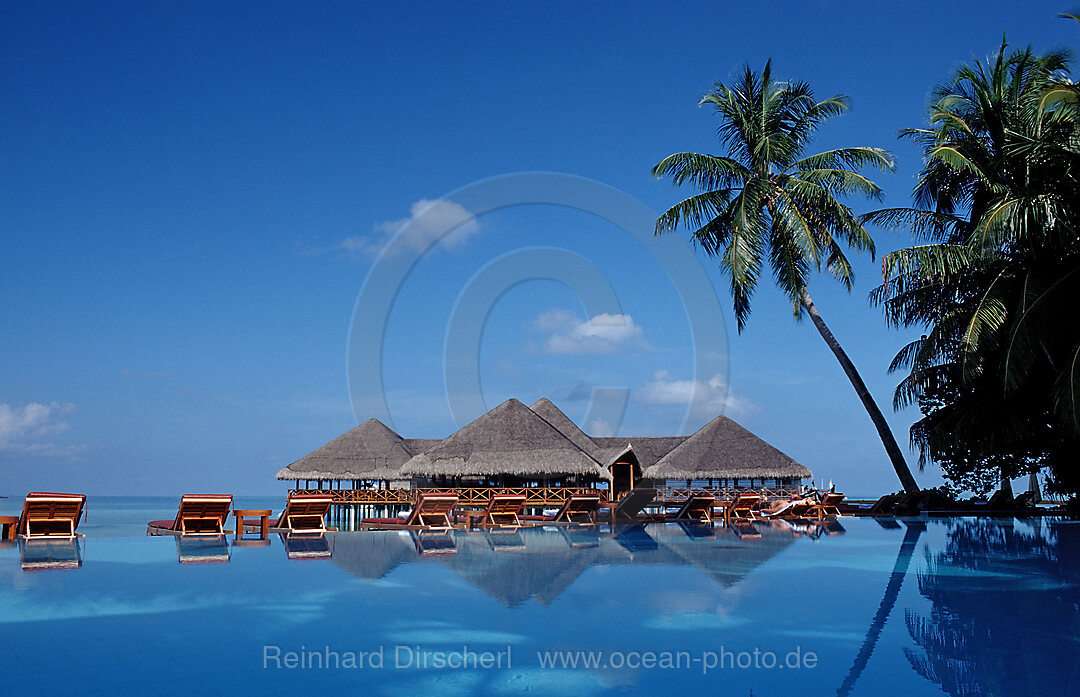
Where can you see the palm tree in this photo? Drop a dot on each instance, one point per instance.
(997, 374)
(766, 202)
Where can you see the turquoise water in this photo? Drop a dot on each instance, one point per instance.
(913, 607)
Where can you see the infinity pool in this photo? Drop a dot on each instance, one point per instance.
(912, 607)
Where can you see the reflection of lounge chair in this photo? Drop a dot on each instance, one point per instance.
(695, 529)
(303, 513)
(698, 508)
(304, 545)
(37, 554)
(634, 538)
(432, 511)
(577, 508)
(830, 527)
(198, 514)
(742, 507)
(508, 539)
(630, 505)
(202, 549)
(434, 542)
(50, 515)
(580, 536)
(744, 530)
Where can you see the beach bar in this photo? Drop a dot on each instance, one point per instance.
(540, 453)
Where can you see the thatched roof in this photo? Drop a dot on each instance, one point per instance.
(724, 449)
(509, 439)
(555, 416)
(647, 449)
(369, 451)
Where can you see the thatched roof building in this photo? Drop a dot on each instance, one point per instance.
(547, 411)
(540, 443)
(722, 449)
(511, 439)
(371, 451)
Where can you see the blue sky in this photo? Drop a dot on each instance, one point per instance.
(192, 196)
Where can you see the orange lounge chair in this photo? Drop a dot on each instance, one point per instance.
(503, 510)
(698, 508)
(51, 515)
(198, 514)
(304, 513)
(432, 512)
(578, 508)
(742, 507)
(829, 506)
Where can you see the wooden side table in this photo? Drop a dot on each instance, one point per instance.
(262, 514)
(9, 525)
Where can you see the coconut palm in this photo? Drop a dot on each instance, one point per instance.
(768, 203)
(997, 374)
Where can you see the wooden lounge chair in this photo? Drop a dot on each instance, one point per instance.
(578, 508)
(698, 509)
(304, 513)
(432, 511)
(629, 506)
(503, 510)
(829, 507)
(198, 514)
(50, 515)
(742, 507)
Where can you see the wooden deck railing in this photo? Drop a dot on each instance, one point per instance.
(671, 496)
(467, 496)
(534, 496)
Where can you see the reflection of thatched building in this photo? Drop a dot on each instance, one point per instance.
(550, 560)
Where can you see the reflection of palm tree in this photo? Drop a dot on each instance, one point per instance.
(1003, 619)
(892, 592)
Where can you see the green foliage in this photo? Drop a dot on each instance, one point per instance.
(765, 202)
(997, 375)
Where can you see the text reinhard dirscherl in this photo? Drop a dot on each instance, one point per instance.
(403, 657)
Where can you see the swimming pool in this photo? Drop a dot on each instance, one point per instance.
(918, 607)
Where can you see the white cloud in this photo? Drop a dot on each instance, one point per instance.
(26, 429)
(709, 397)
(427, 222)
(604, 333)
(601, 428)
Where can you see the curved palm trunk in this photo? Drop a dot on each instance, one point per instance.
(869, 404)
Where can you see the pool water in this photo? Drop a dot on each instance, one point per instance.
(867, 606)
